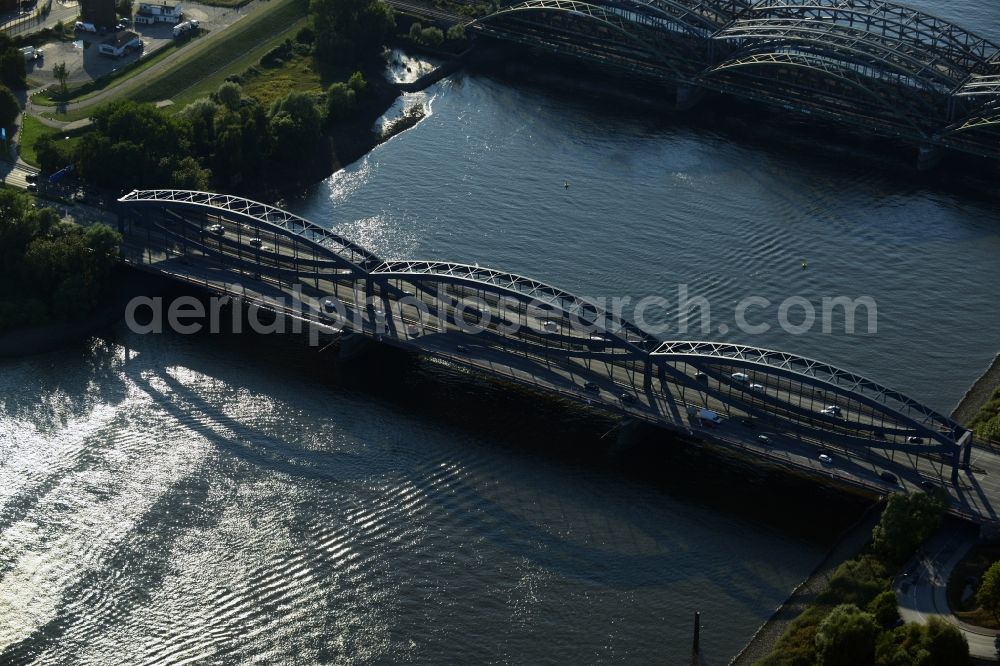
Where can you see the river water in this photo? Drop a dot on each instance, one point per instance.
(225, 499)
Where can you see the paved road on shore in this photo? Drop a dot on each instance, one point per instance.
(921, 589)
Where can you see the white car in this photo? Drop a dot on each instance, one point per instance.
(217, 229)
(256, 242)
(832, 410)
(825, 459)
(756, 387)
(740, 377)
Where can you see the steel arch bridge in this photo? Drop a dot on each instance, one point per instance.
(523, 329)
(871, 64)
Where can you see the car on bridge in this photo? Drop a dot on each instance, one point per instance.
(592, 387)
(740, 377)
(756, 387)
(627, 398)
(764, 439)
(217, 229)
(889, 477)
(833, 410)
(825, 459)
(257, 243)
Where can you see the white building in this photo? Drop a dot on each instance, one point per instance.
(119, 43)
(151, 12)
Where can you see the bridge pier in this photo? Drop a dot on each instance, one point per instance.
(928, 157)
(688, 96)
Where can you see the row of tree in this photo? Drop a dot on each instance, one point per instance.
(49, 270)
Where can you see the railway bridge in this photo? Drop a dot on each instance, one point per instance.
(794, 412)
(877, 66)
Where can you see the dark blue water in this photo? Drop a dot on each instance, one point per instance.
(221, 500)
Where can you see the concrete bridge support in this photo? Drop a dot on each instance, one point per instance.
(928, 157)
(688, 96)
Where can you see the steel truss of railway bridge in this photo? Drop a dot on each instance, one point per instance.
(876, 65)
(524, 330)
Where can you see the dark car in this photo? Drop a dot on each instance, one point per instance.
(462, 349)
(748, 422)
(701, 377)
(592, 387)
(627, 398)
(927, 485)
(32, 178)
(889, 477)
(915, 440)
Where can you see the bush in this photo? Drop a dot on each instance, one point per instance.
(415, 29)
(884, 608)
(857, 582)
(358, 84)
(432, 37)
(988, 595)
(456, 33)
(846, 637)
(340, 102)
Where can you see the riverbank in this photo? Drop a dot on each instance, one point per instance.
(848, 546)
(978, 393)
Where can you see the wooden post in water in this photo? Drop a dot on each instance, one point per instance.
(695, 648)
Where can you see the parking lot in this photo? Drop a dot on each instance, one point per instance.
(85, 63)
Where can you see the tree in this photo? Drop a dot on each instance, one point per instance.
(357, 83)
(432, 36)
(352, 30)
(456, 33)
(12, 72)
(415, 29)
(905, 524)
(340, 102)
(295, 126)
(846, 637)
(946, 643)
(9, 108)
(230, 95)
(61, 72)
(884, 608)
(124, 8)
(988, 595)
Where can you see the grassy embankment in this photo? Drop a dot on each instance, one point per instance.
(207, 62)
(31, 129)
(986, 422)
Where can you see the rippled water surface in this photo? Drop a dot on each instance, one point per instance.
(218, 500)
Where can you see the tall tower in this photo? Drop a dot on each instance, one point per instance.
(98, 12)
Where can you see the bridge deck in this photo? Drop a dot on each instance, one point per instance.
(495, 332)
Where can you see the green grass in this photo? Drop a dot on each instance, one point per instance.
(31, 129)
(297, 74)
(243, 44)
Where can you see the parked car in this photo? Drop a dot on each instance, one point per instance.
(31, 177)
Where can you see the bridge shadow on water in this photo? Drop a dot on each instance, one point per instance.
(522, 428)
